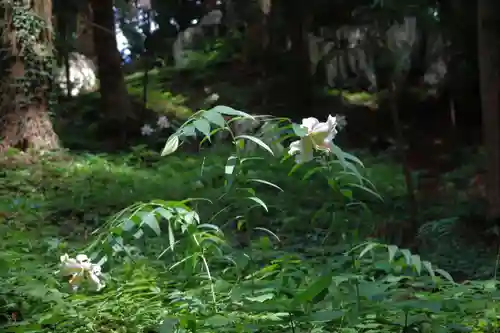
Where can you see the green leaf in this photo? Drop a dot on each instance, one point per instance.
(257, 141)
(353, 158)
(230, 165)
(214, 117)
(393, 249)
(407, 254)
(370, 289)
(444, 274)
(366, 189)
(346, 193)
(150, 220)
(261, 298)
(228, 111)
(188, 130)
(202, 126)
(294, 168)
(325, 316)
(417, 263)
(217, 321)
(312, 171)
(209, 136)
(339, 154)
(168, 325)
(165, 213)
(259, 202)
(368, 248)
(171, 238)
(428, 267)
(265, 182)
(171, 145)
(268, 232)
(316, 288)
(299, 130)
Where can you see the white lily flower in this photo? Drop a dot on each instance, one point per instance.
(163, 122)
(81, 269)
(147, 130)
(319, 136)
(95, 278)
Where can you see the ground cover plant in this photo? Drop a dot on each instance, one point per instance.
(236, 238)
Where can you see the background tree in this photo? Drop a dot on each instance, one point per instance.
(489, 68)
(114, 96)
(27, 79)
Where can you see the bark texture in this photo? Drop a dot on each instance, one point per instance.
(114, 95)
(24, 108)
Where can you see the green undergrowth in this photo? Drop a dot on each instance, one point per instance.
(301, 276)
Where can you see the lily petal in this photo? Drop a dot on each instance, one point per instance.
(321, 128)
(95, 282)
(294, 147)
(306, 153)
(64, 257)
(332, 122)
(310, 123)
(76, 279)
(70, 270)
(82, 258)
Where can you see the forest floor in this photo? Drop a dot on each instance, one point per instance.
(49, 208)
(283, 266)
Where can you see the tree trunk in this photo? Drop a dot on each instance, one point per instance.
(24, 107)
(489, 66)
(84, 42)
(115, 100)
(299, 69)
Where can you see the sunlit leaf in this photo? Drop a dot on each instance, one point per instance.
(188, 130)
(299, 130)
(444, 274)
(171, 238)
(428, 267)
(230, 165)
(416, 262)
(203, 126)
(407, 254)
(393, 249)
(259, 202)
(228, 111)
(150, 220)
(368, 248)
(268, 232)
(265, 182)
(171, 145)
(214, 117)
(257, 141)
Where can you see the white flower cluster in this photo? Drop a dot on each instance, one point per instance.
(81, 269)
(319, 136)
(162, 123)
